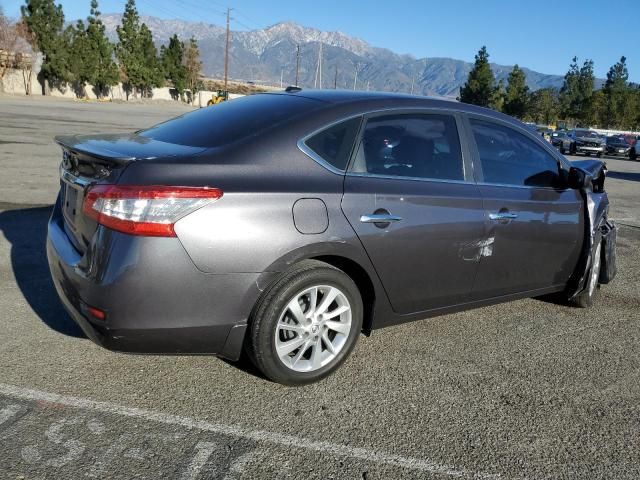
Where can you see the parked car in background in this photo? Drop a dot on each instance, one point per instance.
(617, 145)
(287, 224)
(634, 151)
(558, 139)
(586, 142)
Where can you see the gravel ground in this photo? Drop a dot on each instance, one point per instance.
(527, 389)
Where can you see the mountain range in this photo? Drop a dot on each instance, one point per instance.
(264, 56)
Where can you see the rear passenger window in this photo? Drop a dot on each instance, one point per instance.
(510, 158)
(334, 144)
(411, 145)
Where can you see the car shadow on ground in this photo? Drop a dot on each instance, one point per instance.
(630, 176)
(26, 230)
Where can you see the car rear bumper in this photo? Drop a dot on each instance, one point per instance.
(154, 299)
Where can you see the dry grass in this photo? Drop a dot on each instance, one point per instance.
(235, 87)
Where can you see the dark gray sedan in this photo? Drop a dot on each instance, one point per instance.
(287, 224)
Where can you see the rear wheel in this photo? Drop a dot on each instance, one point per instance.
(306, 325)
(586, 298)
(632, 154)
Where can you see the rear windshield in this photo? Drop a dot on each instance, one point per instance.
(230, 121)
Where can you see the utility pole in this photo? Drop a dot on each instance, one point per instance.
(413, 79)
(318, 80)
(226, 51)
(320, 63)
(355, 80)
(281, 75)
(297, 63)
(367, 85)
(335, 79)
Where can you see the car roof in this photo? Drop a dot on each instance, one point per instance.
(366, 99)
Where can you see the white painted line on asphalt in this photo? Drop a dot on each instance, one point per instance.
(8, 412)
(421, 464)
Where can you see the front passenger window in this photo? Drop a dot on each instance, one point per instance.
(510, 158)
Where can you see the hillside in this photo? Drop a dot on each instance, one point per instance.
(263, 55)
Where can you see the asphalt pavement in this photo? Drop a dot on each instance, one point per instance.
(527, 389)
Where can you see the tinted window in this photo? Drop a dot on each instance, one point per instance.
(335, 143)
(412, 145)
(230, 121)
(510, 158)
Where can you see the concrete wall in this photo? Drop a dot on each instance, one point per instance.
(14, 83)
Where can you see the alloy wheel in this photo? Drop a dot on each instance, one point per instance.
(313, 328)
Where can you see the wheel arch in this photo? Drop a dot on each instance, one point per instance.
(362, 280)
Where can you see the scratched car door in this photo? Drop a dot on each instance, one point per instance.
(535, 223)
(415, 207)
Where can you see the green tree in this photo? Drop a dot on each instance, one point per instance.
(517, 93)
(480, 86)
(192, 65)
(152, 67)
(577, 100)
(617, 94)
(79, 53)
(172, 58)
(586, 83)
(497, 97)
(136, 53)
(570, 104)
(103, 72)
(44, 21)
(543, 106)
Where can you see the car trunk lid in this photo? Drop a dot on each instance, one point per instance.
(101, 159)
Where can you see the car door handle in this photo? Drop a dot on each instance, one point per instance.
(379, 218)
(503, 216)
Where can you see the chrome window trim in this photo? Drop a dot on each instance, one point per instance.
(415, 179)
(446, 110)
(503, 185)
(399, 110)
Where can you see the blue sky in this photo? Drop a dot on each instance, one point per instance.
(543, 36)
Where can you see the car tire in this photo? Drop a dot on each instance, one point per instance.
(562, 150)
(632, 154)
(599, 155)
(291, 338)
(586, 298)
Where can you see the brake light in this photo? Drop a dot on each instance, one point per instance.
(148, 210)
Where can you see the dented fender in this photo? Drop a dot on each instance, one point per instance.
(597, 225)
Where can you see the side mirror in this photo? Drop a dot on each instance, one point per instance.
(577, 179)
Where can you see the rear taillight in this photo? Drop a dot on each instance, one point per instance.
(148, 210)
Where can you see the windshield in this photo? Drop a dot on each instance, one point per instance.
(586, 133)
(230, 121)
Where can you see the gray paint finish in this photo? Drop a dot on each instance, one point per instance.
(194, 293)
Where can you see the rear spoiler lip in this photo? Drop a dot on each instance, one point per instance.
(74, 145)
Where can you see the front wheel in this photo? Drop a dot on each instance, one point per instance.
(632, 154)
(586, 298)
(306, 325)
